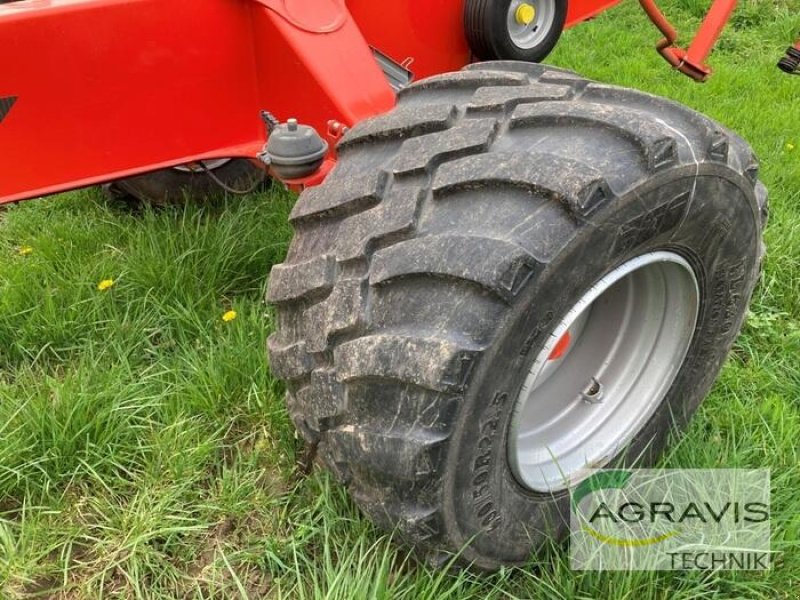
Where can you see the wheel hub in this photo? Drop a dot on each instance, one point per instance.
(530, 22)
(526, 14)
(606, 368)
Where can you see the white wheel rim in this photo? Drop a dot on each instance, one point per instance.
(626, 340)
(530, 35)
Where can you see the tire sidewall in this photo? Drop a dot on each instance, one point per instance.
(707, 214)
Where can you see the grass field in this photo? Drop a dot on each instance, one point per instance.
(144, 448)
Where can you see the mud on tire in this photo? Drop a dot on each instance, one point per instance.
(428, 269)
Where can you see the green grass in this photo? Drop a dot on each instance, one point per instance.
(144, 447)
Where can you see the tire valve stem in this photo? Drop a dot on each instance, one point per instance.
(593, 393)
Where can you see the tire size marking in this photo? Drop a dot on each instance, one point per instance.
(724, 299)
(482, 499)
(726, 294)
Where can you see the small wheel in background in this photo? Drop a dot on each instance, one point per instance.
(526, 30)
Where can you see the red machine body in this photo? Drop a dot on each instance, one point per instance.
(95, 90)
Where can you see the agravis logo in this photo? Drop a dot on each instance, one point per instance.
(647, 519)
(609, 480)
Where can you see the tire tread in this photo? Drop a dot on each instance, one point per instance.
(441, 144)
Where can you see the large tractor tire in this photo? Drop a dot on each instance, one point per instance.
(173, 186)
(514, 277)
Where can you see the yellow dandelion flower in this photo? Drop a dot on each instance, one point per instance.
(106, 284)
(789, 146)
(229, 316)
(24, 250)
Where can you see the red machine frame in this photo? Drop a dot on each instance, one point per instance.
(96, 90)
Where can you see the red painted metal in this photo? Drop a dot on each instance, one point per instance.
(95, 90)
(561, 347)
(691, 62)
(580, 10)
(319, 77)
(427, 36)
(107, 89)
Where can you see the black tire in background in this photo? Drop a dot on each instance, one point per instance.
(487, 29)
(172, 186)
(428, 270)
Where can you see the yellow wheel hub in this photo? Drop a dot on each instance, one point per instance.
(526, 14)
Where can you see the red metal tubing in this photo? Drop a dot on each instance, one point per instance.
(718, 16)
(690, 62)
(660, 21)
